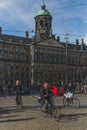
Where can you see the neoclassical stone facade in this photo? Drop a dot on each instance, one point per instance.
(50, 62)
(14, 61)
(41, 58)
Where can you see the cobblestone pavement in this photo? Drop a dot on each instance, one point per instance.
(31, 118)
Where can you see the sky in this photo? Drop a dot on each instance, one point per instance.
(69, 16)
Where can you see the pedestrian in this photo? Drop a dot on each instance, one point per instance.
(85, 87)
(18, 90)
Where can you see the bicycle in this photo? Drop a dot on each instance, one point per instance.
(71, 100)
(53, 111)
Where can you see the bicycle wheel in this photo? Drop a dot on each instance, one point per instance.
(76, 102)
(56, 113)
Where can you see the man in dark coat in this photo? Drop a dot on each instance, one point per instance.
(46, 94)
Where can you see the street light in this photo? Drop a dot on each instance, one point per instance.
(66, 57)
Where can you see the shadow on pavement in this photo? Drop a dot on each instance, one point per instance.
(31, 107)
(83, 107)
(8, 110)
(16, 120)
(72, 117)
(13, 109)
(70, 107)
(8, 116)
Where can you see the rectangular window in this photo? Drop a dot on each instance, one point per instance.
(11, 49)
(5, 56)
(0, 48)
(5, 49)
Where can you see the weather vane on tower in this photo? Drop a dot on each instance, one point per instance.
(43, 2)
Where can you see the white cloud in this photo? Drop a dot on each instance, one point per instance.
(19, 12)
(4, 4)
(25, 10)
(85, 39)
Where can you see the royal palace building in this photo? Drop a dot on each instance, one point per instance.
(42, 57)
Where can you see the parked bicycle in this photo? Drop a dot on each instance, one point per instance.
(71, 100)
(53, 111)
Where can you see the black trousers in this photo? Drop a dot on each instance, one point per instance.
(48, 101)
(18, 98)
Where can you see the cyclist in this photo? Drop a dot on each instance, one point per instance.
(18, 90)
(46, 94)
(69, 88)
(69, 91)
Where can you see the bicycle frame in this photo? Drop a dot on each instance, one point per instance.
(53, 111)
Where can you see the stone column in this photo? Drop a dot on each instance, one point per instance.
(32, 64)
(32, 74)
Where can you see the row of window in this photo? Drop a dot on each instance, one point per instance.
(12, 68)
(16, 74)
(43, 51)
(61, 59)
(55, 75)
(17, 57)
(9, 47)
(10, 71)
(13, 49)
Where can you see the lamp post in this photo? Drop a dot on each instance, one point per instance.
(66, 58)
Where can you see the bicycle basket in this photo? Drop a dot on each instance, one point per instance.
(68, 95)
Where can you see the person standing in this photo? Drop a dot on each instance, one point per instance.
(18, 90)
(85, 87)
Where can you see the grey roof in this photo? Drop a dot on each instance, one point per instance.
(75, 46)
(15, 39)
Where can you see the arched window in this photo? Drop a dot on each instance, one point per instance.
(46, 25)
(41, 23)
(11, 71)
